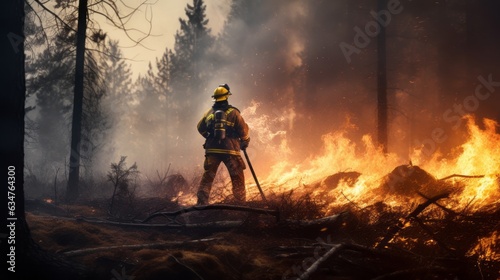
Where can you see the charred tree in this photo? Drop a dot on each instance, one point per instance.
(27, 259)
(76, 124)
(382, 82)
(112, 13)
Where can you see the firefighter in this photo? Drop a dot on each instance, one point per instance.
(225, 133)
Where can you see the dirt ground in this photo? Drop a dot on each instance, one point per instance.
(249, 245)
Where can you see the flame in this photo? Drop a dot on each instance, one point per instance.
(479, 154)
(487, 248)
(349, 170)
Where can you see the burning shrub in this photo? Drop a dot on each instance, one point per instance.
(408, 180)
(175, 184)
(333, 181)
(298, 207)
(167, 186)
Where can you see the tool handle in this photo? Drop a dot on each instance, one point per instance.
(254, 176)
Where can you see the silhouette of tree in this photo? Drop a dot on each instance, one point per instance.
(112, 13)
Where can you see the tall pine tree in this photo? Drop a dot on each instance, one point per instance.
(190, 71)
(119, 95)
(50, 82)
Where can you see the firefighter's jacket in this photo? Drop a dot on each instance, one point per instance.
(236, 130)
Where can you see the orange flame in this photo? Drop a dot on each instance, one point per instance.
(478, 155)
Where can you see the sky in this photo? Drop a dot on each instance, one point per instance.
(164, 15)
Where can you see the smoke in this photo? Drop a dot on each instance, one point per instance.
(294, 84)
(285, 65)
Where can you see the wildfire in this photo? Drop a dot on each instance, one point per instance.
(479, 155)
(487, 248)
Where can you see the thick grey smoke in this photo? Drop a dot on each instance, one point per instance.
(295, 81)
(286, 56)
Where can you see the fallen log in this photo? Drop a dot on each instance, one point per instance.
(274, 213)
(135, 246)
(221, 224)
(215, 224)
(317, 222)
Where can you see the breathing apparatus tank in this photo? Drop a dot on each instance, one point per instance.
(220, 125)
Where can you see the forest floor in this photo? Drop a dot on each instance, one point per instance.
(197, 245)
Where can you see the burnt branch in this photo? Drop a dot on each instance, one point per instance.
(274, 213)
(334, 250)
(392, 231)
(462, 176)
(317, 222)
(449, 211)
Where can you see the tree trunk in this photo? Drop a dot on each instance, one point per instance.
(24, 258)
(76, 124)
(14, 233)
(382, 82)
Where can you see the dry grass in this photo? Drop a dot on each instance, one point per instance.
(297, 207)
(233, 257)
(248, 252)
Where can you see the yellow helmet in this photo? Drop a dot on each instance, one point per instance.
(221, 93)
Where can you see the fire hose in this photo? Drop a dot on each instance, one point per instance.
(254, 176)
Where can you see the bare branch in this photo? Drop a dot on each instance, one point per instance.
(41, 22)
(123, 20)
(461, 176)
(112, 16)
(392, 231)
(335, 249)
(54, 15)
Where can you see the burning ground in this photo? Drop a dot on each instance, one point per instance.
(349, 213)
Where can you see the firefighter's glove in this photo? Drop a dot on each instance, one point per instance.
(244, 143)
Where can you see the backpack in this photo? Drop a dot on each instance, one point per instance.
(220, 123)
(217, 123)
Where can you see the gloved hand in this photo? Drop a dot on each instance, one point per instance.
(244, 143)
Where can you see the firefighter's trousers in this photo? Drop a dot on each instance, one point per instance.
(234, 165)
